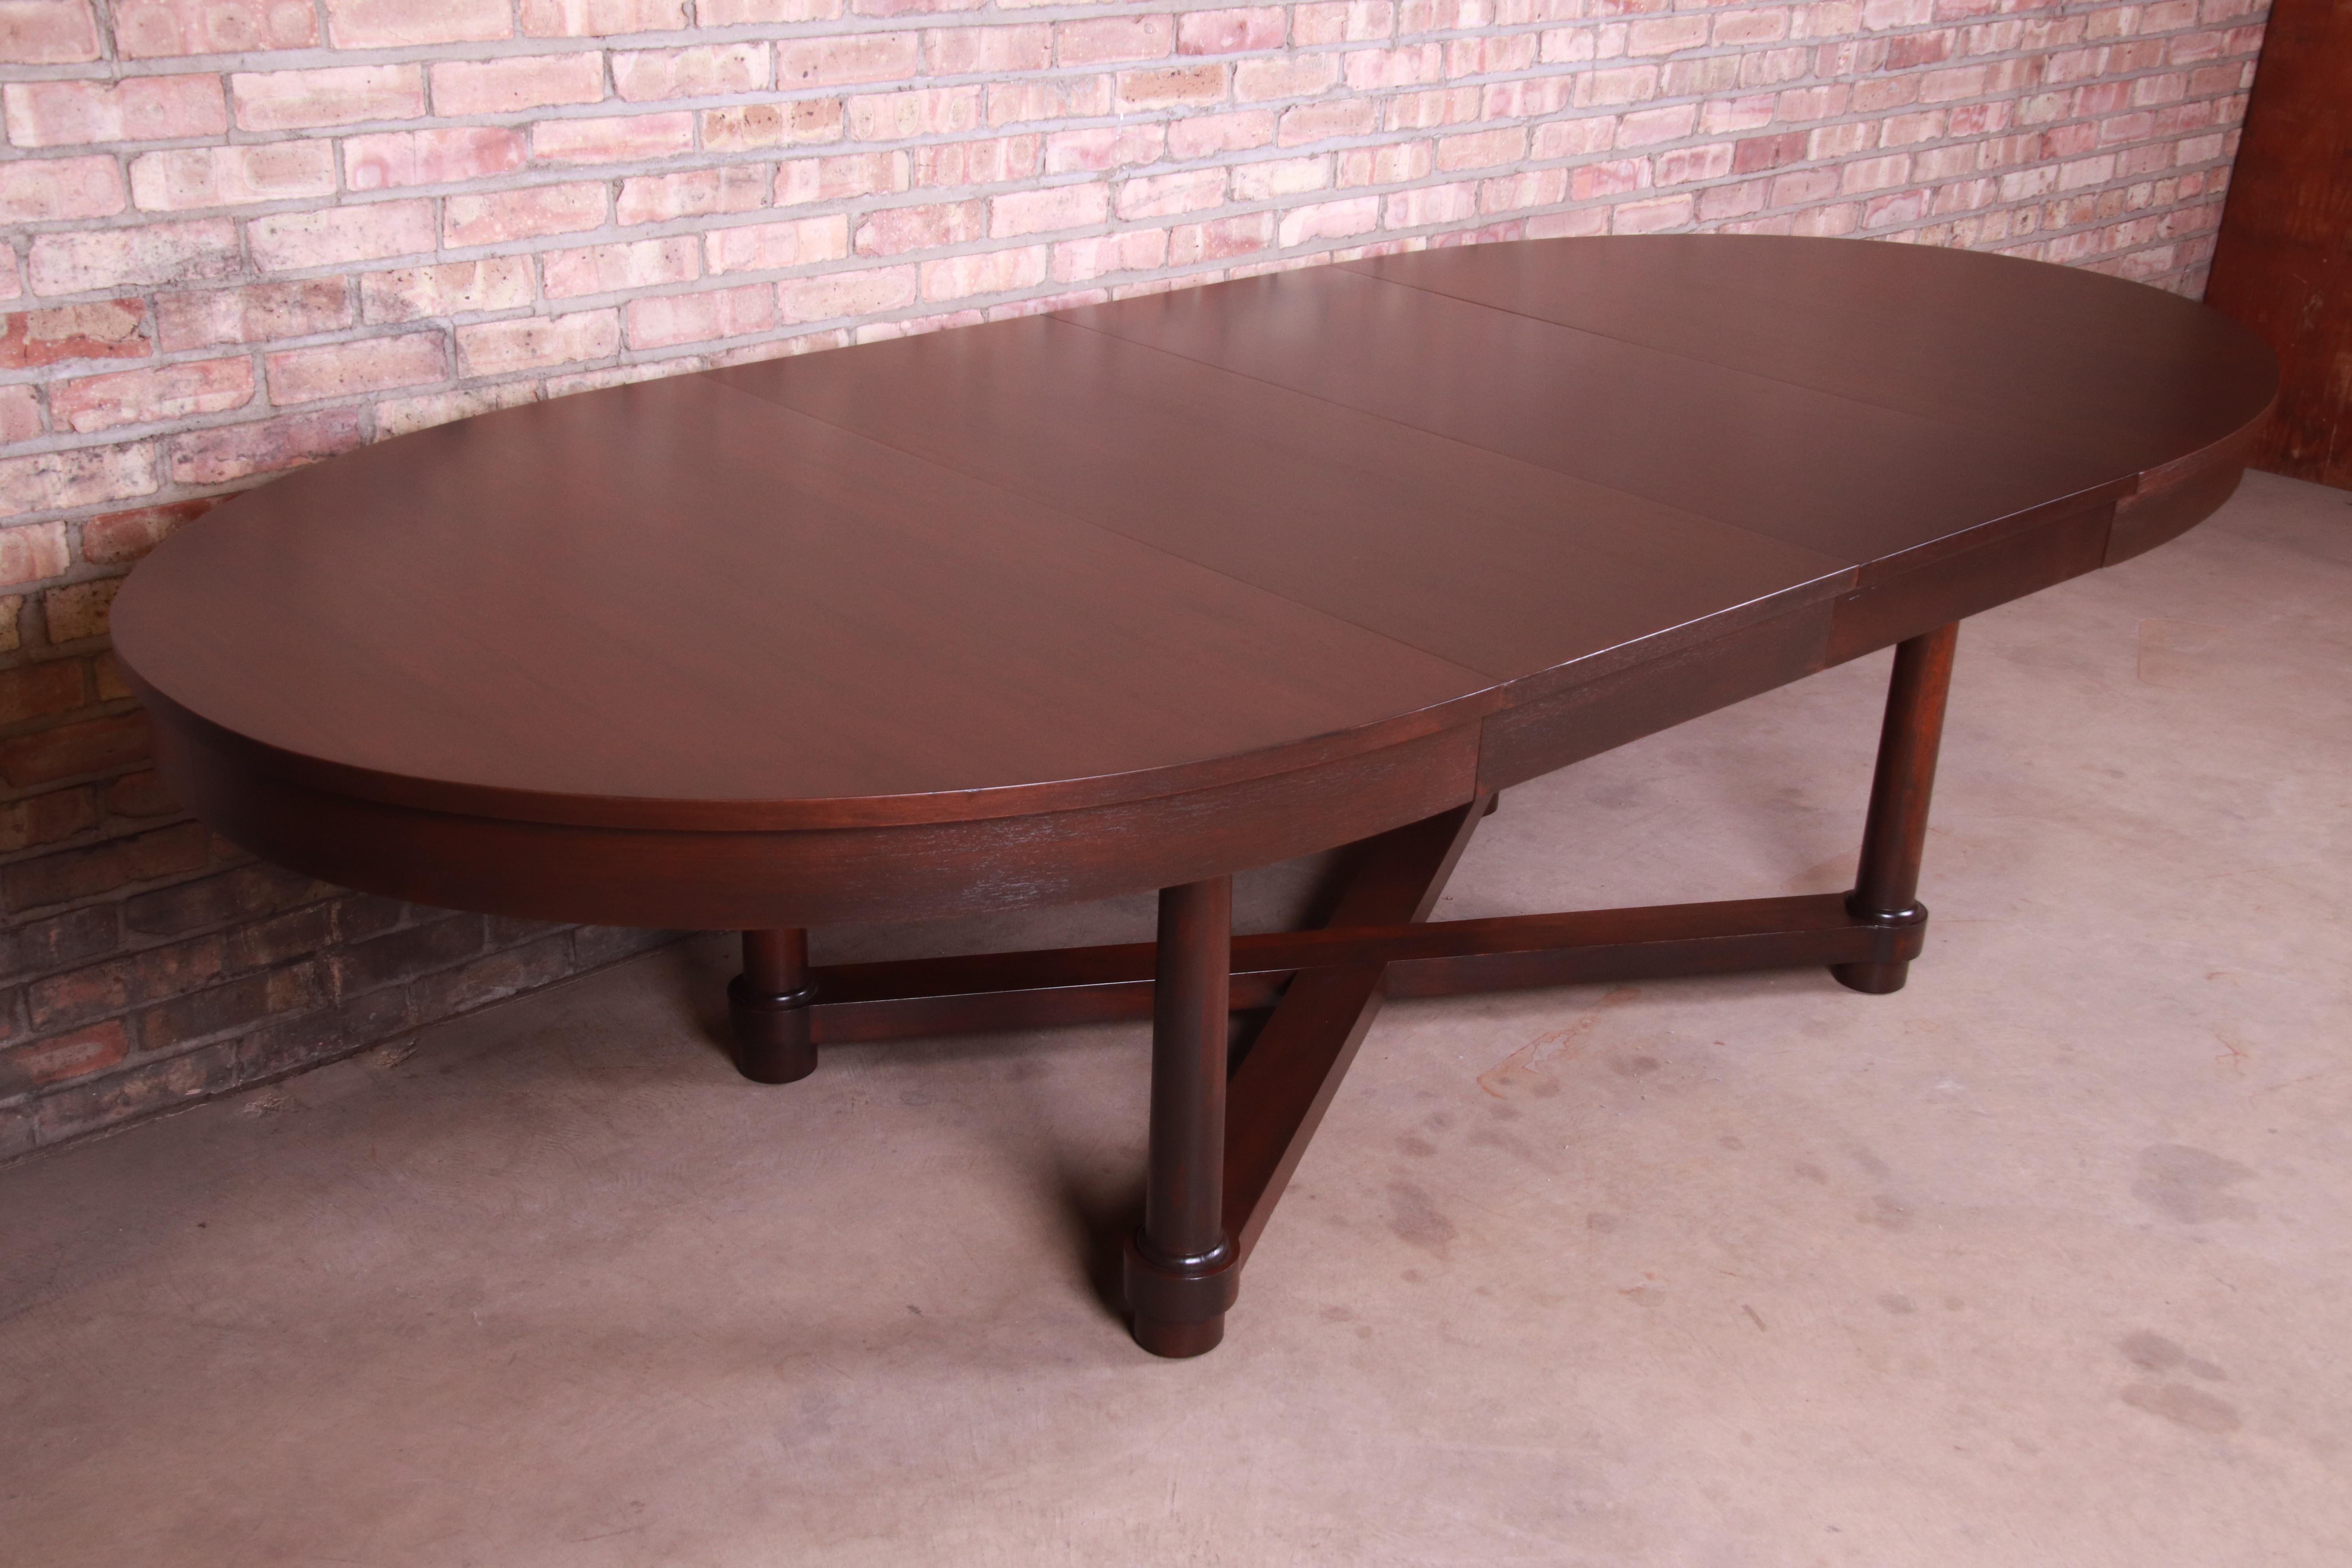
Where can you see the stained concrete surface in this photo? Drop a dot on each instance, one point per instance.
(2041, 1261)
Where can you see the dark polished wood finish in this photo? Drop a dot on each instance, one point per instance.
(1895, 836)
(767, 1005)
(1183, 1271)
(2282, 261)
(1134, 596)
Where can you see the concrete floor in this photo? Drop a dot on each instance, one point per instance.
(2041, 1261)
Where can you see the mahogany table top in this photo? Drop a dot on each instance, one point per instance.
(1118, 552)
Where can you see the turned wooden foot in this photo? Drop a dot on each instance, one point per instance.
(768, 1004)
(1183, 1271)
(1886, 884)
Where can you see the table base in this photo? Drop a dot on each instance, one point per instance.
(1224, 1142)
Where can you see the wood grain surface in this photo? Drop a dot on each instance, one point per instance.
(1143, 592)
(2283, 260)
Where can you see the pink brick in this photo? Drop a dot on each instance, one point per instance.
(850, 294)
(1104, 147)
(103, 328)
(1839, 141)
(1657, 215)
(1615, 177)
(112, 258)
(926, 111)
(1330, 220)
(255, 313)
(600, 18)
(20, 416)
(735, 13)
(803, 180)
(697, 192)
(396, 158)
(1903, 208)
(34, 551)
(451, 288)
(516, 83)
(1944, 86)
(610, 268)
(1130, 250)
(755, 125)
(1426, 110)
(1319, 122)
(287, 242)
(1037, 212)
(893, 231)
(990, 161)
(1206, 135)
(1874, 173)
(1482, 149)
(1685, 165)
(1290, 76)
(1527, 100)
(1627, 84)
(1112, 39)
(187, 177)
(400, 24)
(1343, 22)
(340, 95)
(990, 272)
(1166, 195)
(1178, 86)
(1518, 193)
(1646, 127)
(2083, 172)
(705, 71)
(139, 108)
(233, 451)
(1722, 202)
(147, 30)
(1752, 112)
(667, 320)
(1230, 32)
(841, 61)
(1901, 129)
(616, 139)
(1665, 35)
(344, 370)
(1275, 178)
(39, 190)
(1734, 28)
(1392, 165)
(47, 32)
(1568, 45)
(969, 51)
(1803, 186)
(1490, 55)
(764, 246)
(1070, 98)
(1428, 204)
(399, 416)
(534, 343)
(144, 396)
(503, 215)
(118, 537)
(89, 476)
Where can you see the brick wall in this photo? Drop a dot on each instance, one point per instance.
(244, 235)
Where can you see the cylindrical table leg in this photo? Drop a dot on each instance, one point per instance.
(768, 1002)
(1182, 1268)
(1886, 885)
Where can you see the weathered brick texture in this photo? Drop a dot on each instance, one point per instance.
(245, 234)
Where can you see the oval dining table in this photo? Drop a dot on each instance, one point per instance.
(1136, 596)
